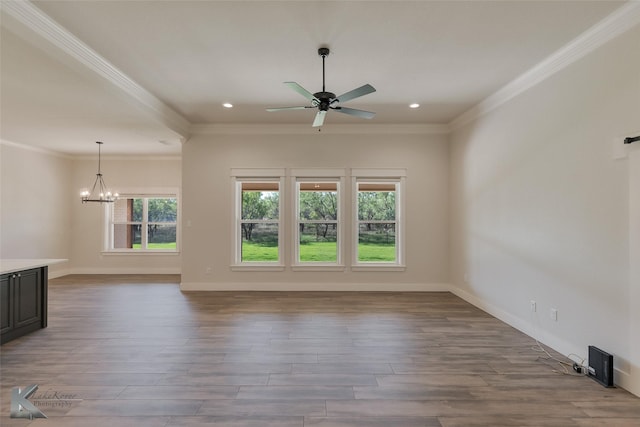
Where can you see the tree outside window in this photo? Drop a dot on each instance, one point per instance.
(377, 222)
(144, 223)
(259, 222)
(318, 222)
(314, 223)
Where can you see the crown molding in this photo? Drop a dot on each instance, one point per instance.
(35, 149)
(618, 22)
(132, 157)
(40, 23)
(341, 129)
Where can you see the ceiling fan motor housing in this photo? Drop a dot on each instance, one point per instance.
(325, 99)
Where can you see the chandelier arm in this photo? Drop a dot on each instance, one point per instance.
(103, 187)
(93, 189)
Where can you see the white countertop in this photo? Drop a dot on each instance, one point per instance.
(11, 265)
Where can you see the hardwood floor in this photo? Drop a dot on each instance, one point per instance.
(135, 351)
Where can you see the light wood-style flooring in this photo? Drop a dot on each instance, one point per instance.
(134, 351)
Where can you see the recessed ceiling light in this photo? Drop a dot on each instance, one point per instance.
(227, 105)
(414, 105)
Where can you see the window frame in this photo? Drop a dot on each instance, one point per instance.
(145, 195)
(289, 180)
(397, 177)
(317, 175)
(257, 176)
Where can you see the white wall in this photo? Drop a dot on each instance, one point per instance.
(540, 207)
(35, 205)
(43, 217)
(207, 205)
(120, 174)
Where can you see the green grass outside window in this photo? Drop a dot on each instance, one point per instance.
(318, 252)
(165, 246)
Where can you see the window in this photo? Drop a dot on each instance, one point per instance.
(258, 225)
(317, 222)
(378, 223)
(294, 218)
(141, 224)
(257, 219)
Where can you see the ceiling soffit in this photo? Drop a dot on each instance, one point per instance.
(51, 31)
(29, 15)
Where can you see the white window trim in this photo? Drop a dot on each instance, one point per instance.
(143, 193)
(239, 176)
(397, 176)
(288, 228)
(329, 175)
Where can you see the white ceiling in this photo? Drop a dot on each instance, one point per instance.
(185, 58)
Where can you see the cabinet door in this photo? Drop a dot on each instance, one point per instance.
(6, 314)
(28, 297)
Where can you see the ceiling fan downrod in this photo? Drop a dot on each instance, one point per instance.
(324, 52)
(324, 97)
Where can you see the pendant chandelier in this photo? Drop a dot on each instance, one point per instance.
(99, 192)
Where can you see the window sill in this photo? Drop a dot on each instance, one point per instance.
(257, 267)
(378, 267)
(318, 267)
(110, 253)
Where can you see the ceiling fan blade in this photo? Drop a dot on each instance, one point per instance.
(361, 91)
(302, 91)
(289, 108)
(354, 112)
(319, 120)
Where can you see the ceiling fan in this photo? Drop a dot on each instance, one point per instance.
(325, 101)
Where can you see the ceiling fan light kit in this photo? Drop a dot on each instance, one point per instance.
(325, 101)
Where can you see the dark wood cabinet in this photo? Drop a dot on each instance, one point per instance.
(6, 309)
(23, 302)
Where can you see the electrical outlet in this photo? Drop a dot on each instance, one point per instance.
(208, 270)
(533, 306)
(553, 313)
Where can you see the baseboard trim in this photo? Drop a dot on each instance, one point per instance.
(54, 274)
(624, 380)
(125, 270)
(315, 286)
(508, 318)
(621, 378)
(524, 326)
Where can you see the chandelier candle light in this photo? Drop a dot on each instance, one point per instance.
(99, 192)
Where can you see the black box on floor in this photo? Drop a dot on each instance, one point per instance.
(600, 366)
